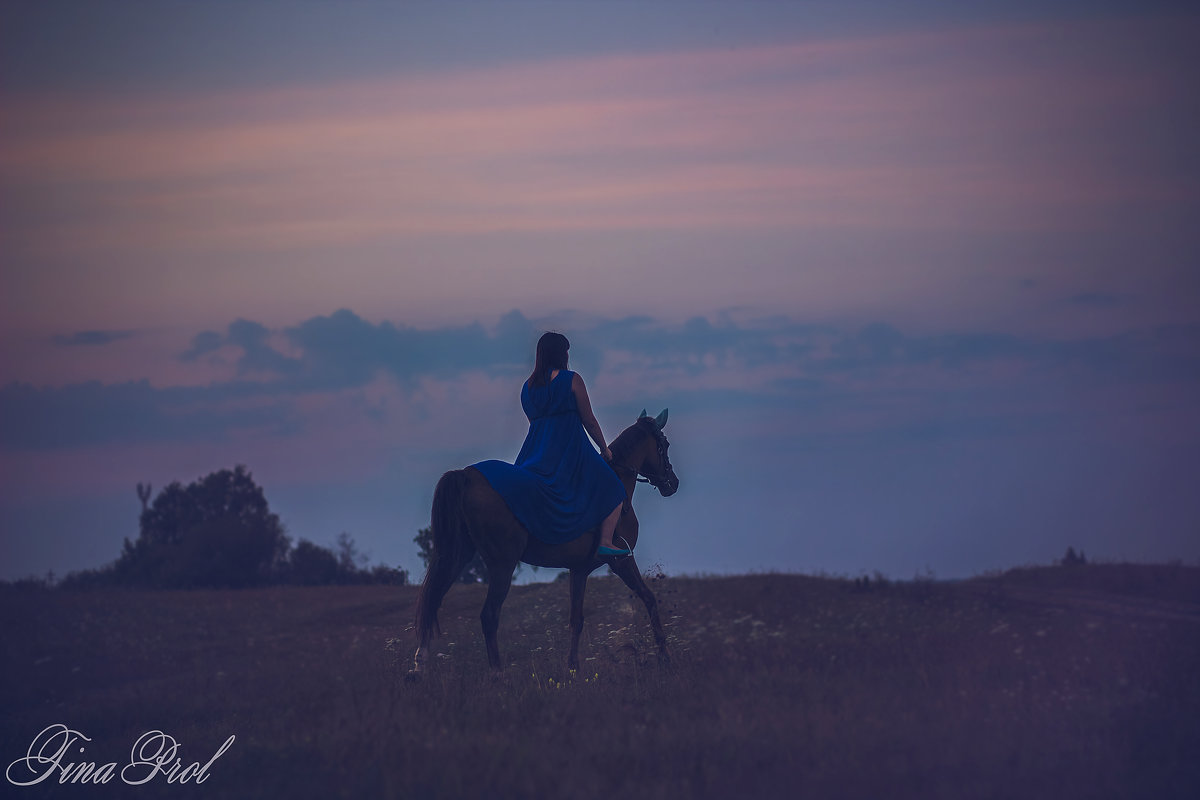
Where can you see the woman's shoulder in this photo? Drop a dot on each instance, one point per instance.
(577, 386)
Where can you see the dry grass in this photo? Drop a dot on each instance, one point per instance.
(783, 684)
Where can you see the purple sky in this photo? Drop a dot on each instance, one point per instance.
(920, 290)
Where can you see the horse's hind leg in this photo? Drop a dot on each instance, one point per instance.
(434, 592)
(501, 580)
(578, 584)
(627, 569)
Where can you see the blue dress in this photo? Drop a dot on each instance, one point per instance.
(560, 487)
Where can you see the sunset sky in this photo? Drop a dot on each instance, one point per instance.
(919, 283)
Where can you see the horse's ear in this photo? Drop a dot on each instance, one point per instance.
(661, 420)
(642, 415)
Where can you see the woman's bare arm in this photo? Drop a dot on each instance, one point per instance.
(585, 413)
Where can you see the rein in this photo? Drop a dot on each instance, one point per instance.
(627, 468)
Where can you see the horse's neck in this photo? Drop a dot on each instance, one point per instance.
(624, 452)
(626, 449)
(626, 443)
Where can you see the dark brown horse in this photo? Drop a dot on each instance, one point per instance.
(469, 517)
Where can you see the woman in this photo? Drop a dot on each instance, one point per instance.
(560, 487)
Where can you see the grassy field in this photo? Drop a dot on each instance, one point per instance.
(1054, 682)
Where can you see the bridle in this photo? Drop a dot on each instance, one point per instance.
(656, 480)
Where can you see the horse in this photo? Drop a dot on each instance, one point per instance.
(469, 516)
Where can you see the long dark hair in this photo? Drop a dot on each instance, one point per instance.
(551, 355)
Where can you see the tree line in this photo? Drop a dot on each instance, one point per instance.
(219, 532)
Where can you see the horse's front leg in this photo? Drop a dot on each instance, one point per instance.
(419, 659)
(578, 584)
(627, 569)
(500, 581)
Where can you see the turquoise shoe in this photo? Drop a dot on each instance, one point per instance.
(605, 552)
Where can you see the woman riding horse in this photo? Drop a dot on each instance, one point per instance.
(560, 488)
(557, 506)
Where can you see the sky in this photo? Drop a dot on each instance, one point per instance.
(918, 284)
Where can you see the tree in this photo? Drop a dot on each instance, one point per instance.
(217, 531)
(349, 560)
(1073, 559)
(476, 570)
(312, 565)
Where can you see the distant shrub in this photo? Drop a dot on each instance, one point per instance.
(1073, 559)
(30, 582)
(475, 571)
(219, 532)
(89, 578)
(390, 576)
(311, 565)
(215, 532)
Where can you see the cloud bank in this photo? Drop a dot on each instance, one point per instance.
(709, 365)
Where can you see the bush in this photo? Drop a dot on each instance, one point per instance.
(312, 565)
(475, 571)
(219, 532)
(215, 532)
(1073, 559)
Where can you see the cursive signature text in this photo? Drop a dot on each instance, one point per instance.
(51, 754)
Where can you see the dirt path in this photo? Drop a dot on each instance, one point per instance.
(1108, 604)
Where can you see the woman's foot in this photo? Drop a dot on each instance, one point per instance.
(604, 551)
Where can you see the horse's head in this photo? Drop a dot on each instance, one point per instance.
(649, 455)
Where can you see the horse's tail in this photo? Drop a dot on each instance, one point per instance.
(451, 550)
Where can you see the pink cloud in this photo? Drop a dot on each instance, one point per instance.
(967, 129)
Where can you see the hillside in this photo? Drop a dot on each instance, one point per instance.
(1039, 683)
